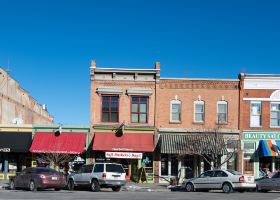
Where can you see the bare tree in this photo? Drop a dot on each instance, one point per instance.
(57, 159)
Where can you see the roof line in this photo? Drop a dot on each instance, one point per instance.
(212, 79)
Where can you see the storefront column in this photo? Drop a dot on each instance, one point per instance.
(256, 166)
(129, 168)
(139, 164)
(6, 166)
(169, 165)
(273, 164)
(201, 165)
(195, 166)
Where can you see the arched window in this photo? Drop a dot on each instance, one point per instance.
(222, 112)
(175, 111)
(199, 111)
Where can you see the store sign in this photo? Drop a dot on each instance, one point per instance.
(5, 150)
(124, 155)
(261, 136)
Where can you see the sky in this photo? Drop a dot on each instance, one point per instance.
(47, 45)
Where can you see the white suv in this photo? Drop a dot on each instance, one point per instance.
(98, 175)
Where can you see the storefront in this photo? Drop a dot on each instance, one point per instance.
(133, 150)
(14, 154)
(182, 155)
(260, 152)
(46, 144)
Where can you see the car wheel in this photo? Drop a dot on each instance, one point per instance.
(117, 188)
(189, 187)
(95, 187)
(32, 186)
(12, 185)
(70, 185)
(227, 188)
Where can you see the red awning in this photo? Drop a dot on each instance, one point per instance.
(141, 142)
(70, 143)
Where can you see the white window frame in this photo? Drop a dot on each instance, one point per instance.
(223, 103)
(201, 103)
(270, 114)
(260, 115)
(180, 110)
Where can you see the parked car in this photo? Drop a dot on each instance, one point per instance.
(38, 178)
(99, 175)
(226, 180)
(266, 184)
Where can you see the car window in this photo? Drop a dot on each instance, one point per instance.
(234, 172)
(206, 174)
(82, 169)
(88, 169)
(99, 168)
(220, 174)
(114, 168)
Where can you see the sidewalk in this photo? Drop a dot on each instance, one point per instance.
(145, 187)
(4, 184)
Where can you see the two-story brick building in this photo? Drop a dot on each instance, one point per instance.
(259, 122)
(189, 112)
(122, 116)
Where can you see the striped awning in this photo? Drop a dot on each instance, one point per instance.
(192, 144)
(269, 148)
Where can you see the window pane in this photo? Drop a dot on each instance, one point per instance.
(175, 117)
(199, 117)
(114, 106)
(134, 107)
(255, 109)
(222, 108)
(105, 117)
(134, 117)
(274, 107)
(105, 98)
(143, 118)
(143, 108)
(274, 122)
(105, 106)
(274, 114)
(175, 108)
(222, 117)
(164, 164)
(199, 108)
(114, 117)
(135, 99)
(143, 100)
(114, 98)
(255, 121)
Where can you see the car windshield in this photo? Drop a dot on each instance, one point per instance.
(114, 168)
(234, 172)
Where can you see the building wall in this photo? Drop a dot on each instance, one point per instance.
(16, 103)
(188, 91)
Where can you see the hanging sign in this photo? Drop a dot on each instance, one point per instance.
(124, 155)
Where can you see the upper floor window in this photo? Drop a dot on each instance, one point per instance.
(222, 112)
(275, 114)
(255, 114)
(110, 108)
(199, 111)
(175, 111)
(139, 109)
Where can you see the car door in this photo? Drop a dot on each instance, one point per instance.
(86, 176)
(273, 183)
(79, 176)
(98, 170)
(19, 179)
(202, 182)
(218, 178)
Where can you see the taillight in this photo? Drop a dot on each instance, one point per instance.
(241, 179)
(42, 176)
(104, 175)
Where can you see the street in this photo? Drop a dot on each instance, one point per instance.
(64, 194)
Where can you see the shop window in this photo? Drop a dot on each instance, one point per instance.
(139, 110)
(110, 108)
(277, 163)
(199, 111)
(222, 112)
(232, 162)
(175, 111)
(275, 115)
(174, 165)
(255, 114)
(248, 166)
(164, 164)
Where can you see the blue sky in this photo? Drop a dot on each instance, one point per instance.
(48, 44)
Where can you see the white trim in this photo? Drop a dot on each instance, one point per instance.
(202, 79)
(260, 115)
(259, 99)
(270, 115)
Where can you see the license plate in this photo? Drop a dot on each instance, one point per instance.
(54, 178)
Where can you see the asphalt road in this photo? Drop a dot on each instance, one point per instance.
(107, 195)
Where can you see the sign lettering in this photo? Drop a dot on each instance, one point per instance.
(261, 136)
(123, 155)
(5, 150)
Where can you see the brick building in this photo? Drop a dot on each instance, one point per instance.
(259, 122)
(188, 113)
(122, 117)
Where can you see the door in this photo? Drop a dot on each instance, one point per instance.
(218, 178)
(98, 170)
(202, 182)
(78, 176)
(86, 176)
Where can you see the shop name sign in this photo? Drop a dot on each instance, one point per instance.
(5, 150)
(261, 136)
(124, 155)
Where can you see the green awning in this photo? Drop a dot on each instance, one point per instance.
(192, 144)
